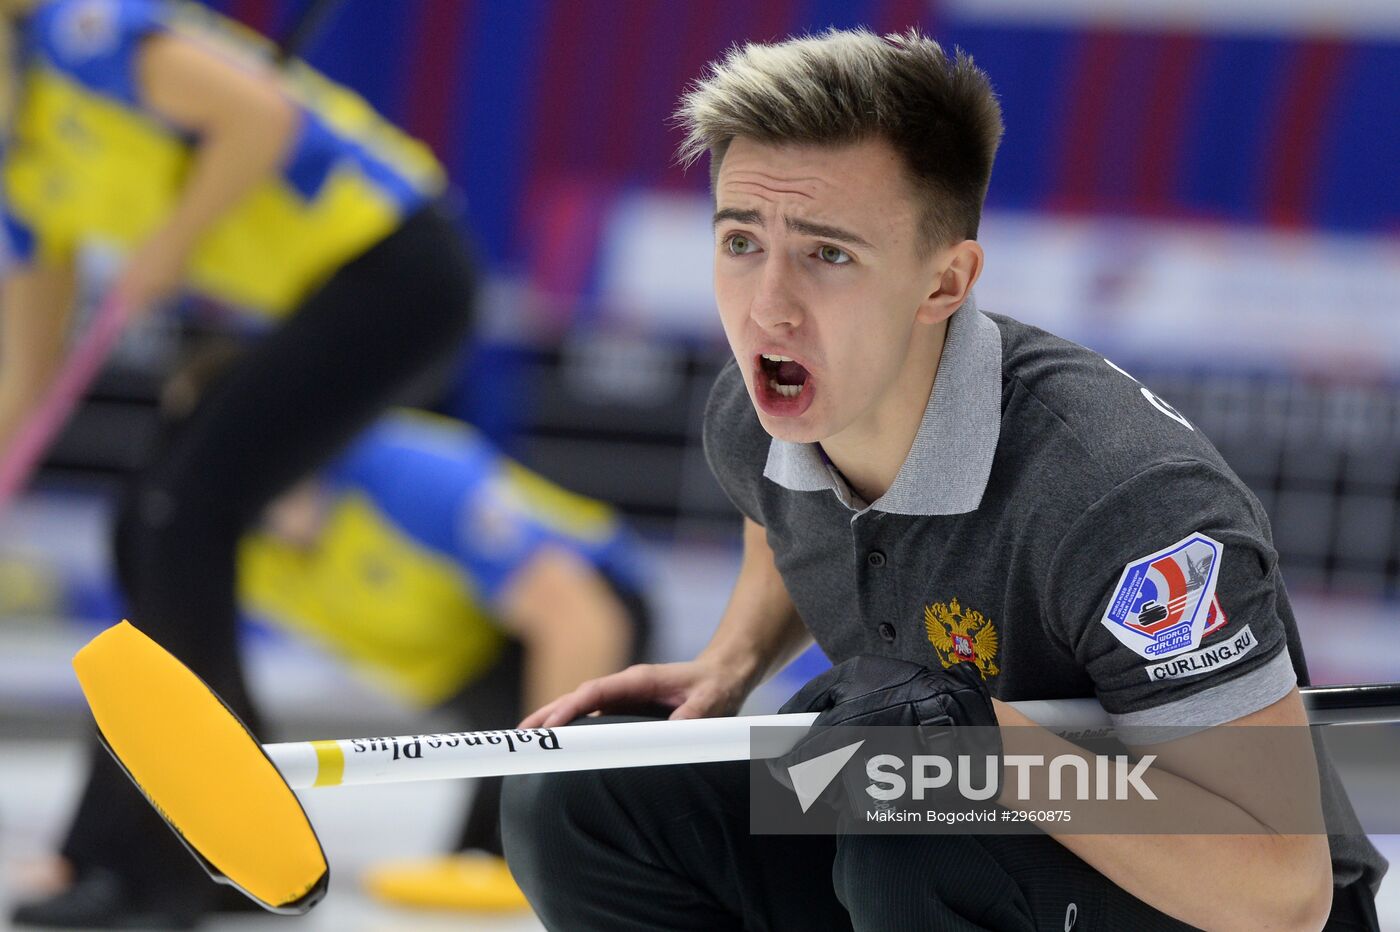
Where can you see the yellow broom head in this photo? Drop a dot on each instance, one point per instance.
(202, 770)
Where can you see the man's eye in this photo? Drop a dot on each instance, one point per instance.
(832, 255)
(739, 245)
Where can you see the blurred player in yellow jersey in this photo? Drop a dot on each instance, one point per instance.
(455, 577)
(165, 134)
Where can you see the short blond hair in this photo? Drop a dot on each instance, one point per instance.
(845, 86)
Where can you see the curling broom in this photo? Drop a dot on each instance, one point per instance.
(230, 799)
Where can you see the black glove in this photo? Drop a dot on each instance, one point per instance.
(885, 691)
(882, 691)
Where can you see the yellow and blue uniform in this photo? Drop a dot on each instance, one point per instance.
(427, 525)
(344, 260)
(87, 164)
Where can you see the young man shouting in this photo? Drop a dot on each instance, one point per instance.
(950, 503)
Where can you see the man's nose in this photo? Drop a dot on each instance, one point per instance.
(776, 304)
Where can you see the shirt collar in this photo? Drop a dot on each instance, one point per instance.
(947, 468)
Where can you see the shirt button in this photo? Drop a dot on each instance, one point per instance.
(887, 631)
(875, 558)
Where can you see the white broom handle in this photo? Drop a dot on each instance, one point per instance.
(355, 761)
(352, 761)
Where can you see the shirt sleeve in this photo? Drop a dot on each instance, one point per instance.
(736, 454)
(1166, 590)
(94, 42)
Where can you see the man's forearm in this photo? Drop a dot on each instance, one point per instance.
(1247, 876)
(760, 631)
(756, 646)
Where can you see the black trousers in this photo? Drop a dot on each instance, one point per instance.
(288, 404)
(669, 848)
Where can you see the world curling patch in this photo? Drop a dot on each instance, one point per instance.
(1161, 603)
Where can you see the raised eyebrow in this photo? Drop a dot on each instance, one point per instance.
(738, 216)
(822, 231)
(795, 225)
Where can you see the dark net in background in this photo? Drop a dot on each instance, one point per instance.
(1324, 458)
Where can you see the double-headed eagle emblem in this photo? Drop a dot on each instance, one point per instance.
(961, 635)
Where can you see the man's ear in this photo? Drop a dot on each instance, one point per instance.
(961, 266)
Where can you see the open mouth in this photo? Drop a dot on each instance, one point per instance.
(785, 376)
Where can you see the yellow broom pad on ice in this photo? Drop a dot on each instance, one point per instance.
(202, 770)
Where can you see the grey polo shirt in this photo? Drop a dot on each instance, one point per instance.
(1055, 524)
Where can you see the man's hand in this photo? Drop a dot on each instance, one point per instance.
(885, 691)
(881, 691)
(695, 689)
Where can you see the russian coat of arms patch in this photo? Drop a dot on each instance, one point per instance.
(960, 635)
